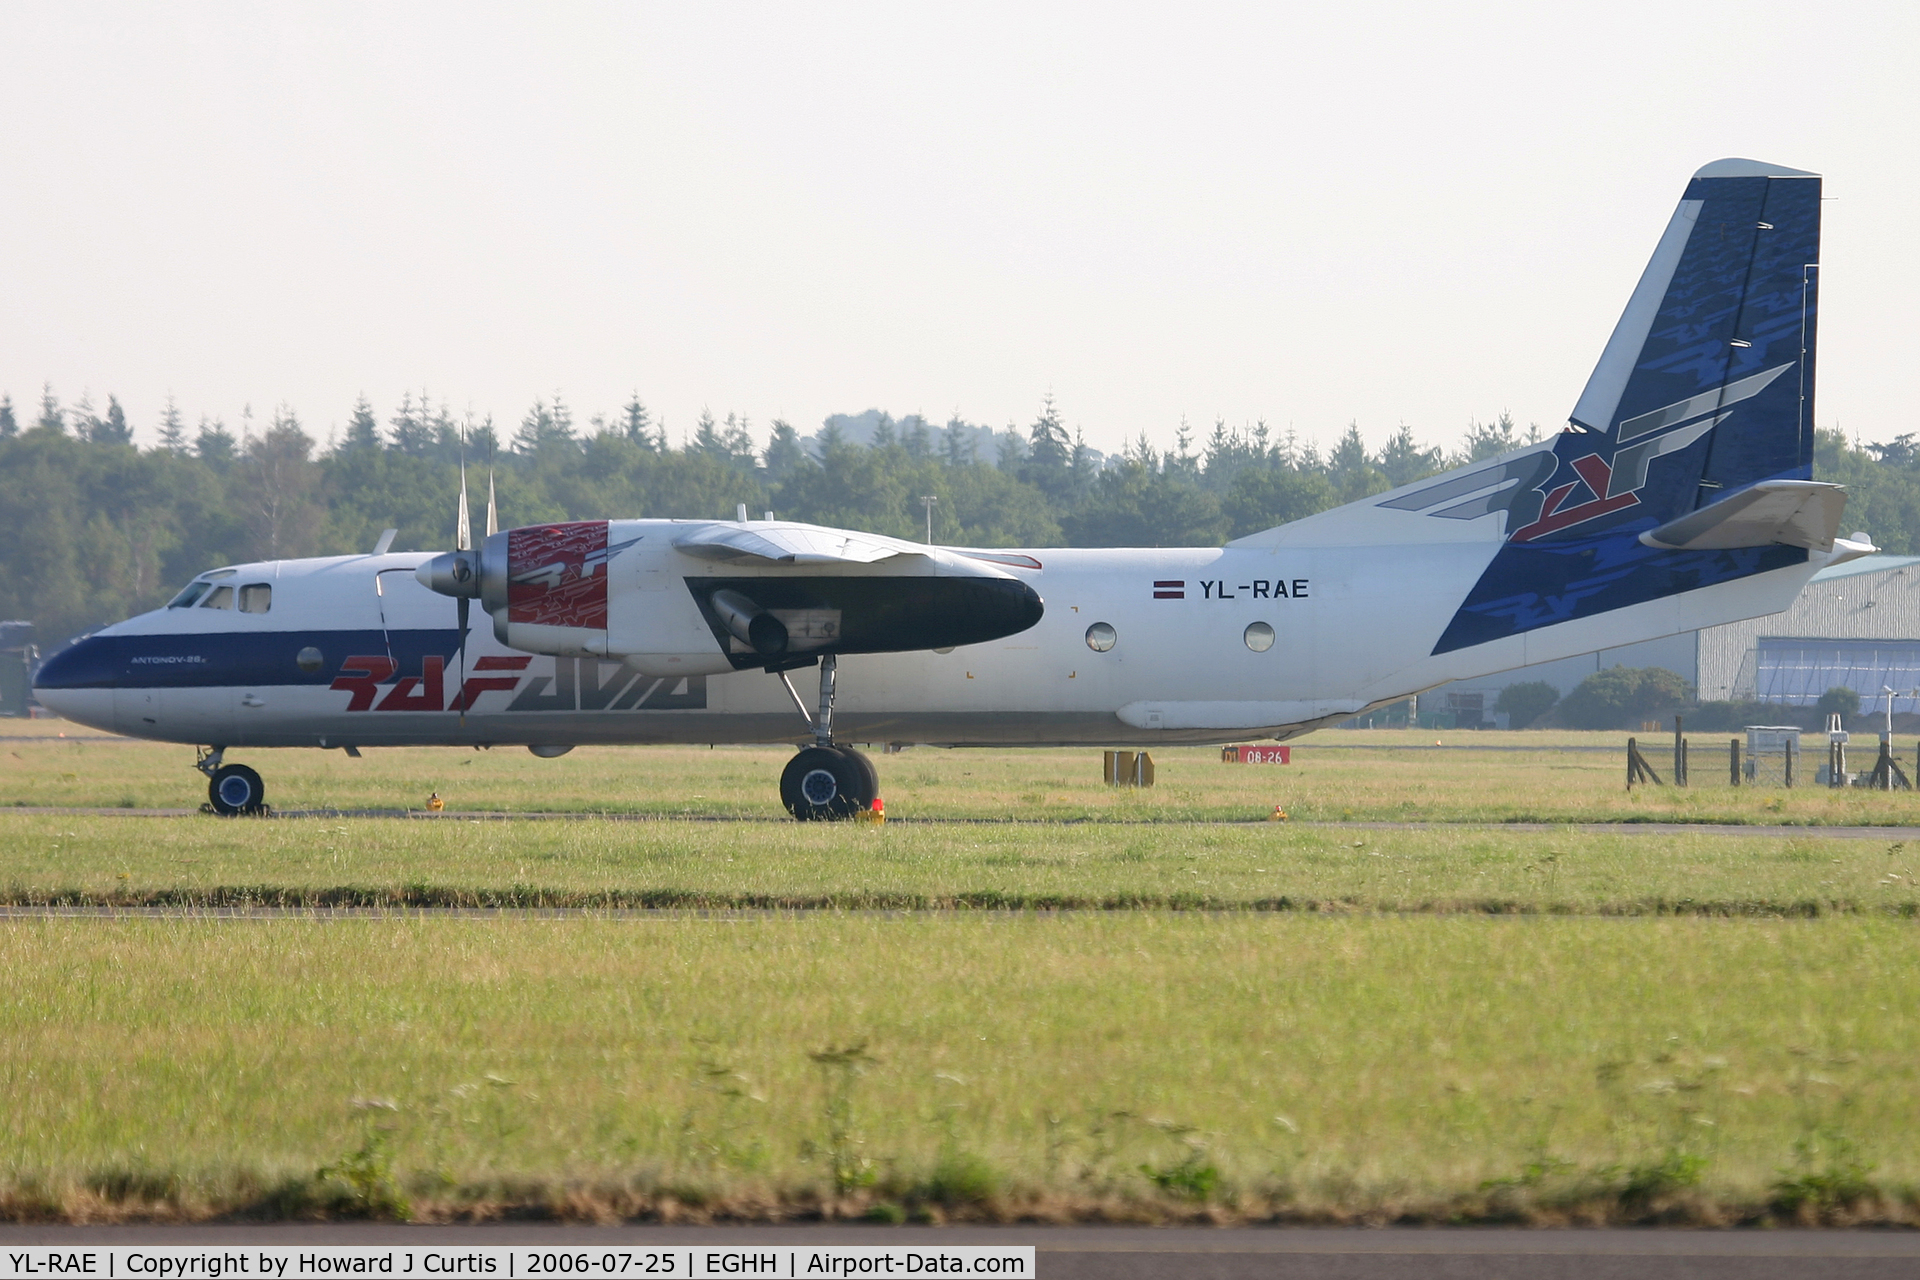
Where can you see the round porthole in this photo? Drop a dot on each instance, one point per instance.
(309, 659)
(1101, 637)
(1259, 637)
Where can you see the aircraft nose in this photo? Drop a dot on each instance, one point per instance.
(92, 663)
(77, 682)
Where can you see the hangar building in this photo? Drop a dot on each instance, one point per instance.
(1857, 624)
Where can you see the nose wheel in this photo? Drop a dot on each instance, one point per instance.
(233, 790)
(825, 782)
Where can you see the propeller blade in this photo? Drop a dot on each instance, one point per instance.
(460, 604)
(463, 526)
(493, 517)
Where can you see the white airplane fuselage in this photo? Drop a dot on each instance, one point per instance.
(1353, 627)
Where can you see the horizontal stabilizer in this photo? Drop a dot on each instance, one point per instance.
(1788, 513)
(788, 544)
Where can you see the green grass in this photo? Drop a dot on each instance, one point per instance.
(1331, 779)
(1435, 1025)
(1139, 1066)
(82, 859)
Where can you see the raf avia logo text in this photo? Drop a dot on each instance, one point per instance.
(1539, 498)
(572, 684)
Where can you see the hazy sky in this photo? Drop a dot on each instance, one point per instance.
(1306, 213)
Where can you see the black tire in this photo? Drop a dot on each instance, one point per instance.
(826, 784)
(236, 790)
(872, 789)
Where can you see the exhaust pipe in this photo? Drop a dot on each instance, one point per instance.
(749, 623)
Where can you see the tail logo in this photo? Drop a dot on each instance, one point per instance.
(1595, 476)
(1540, 498)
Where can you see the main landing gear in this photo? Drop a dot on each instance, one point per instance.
(232, 789)
(824, 782)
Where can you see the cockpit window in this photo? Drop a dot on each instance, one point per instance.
(222, 598)
(189, 595)
(256, 597)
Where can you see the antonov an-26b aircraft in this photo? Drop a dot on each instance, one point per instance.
(1679, 496)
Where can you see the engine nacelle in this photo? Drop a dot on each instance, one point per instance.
(544, 586)
(644, 592)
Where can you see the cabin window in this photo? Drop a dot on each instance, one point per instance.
(1259, 637)
(189, 595)
(1101, 637)
(256, 597)
(222, 598)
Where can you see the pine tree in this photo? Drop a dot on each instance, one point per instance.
(960, 443)
(545, 427)
(412, 426)
(363, 429)
(215, 444)
(115, 429)
(639, 426)
(883, 433)
(1403, 461)
(1488, 439)
(173, 432)
(914, 436)
(52, 417)
(8, 427)
(1181, 461)
(1049, 461)
(86, 423)
(785, 454)
(1009, 452)
(706, 436)
(738, 441)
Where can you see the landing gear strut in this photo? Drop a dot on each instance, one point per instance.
(232, 789)
(825, 782)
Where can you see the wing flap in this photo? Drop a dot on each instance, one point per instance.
(788, 544)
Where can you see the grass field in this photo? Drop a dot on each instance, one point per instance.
(1353, 775)
(84, 859)
(1123, 1066)
(1452, 1024)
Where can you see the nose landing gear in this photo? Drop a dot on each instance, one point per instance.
(825, 782)
(233, 790)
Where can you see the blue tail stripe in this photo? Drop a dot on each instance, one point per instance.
(1702, 417)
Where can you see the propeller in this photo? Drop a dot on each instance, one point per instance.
(457, 573)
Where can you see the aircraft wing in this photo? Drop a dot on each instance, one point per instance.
(788, 543)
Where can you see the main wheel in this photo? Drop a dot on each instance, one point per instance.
(872, 787)
(236, 789)
(826, 784)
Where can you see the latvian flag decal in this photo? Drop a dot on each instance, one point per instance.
(1170, 590)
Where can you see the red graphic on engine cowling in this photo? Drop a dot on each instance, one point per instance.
(557, 575)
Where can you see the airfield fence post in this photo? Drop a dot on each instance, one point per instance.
(1790, 753)
(1638, 770)
(1733, 762)
(1679, 755)
(1685, 763)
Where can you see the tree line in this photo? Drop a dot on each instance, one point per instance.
(94, 528)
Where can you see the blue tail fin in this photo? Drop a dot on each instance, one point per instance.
(1705, 389)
